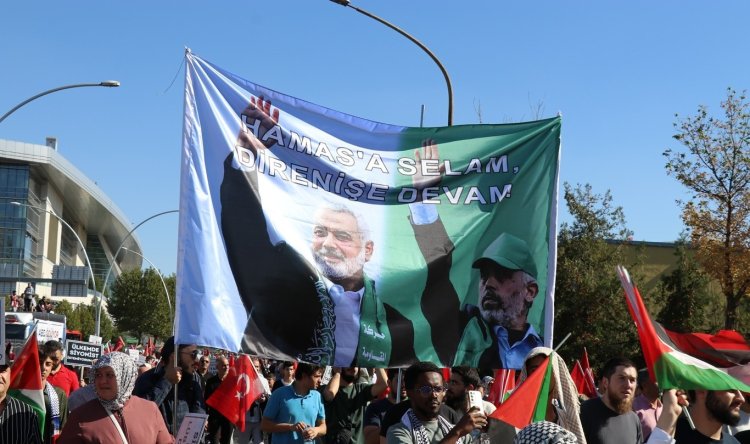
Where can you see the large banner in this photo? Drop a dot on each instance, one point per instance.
(310, 234)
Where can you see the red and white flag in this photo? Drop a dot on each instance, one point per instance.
(237, 392)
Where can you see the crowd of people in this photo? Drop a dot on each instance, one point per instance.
(124, 402)
(27, 301)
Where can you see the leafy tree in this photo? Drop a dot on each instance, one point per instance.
(138, 303)
(715, 167)
(589, 300)
(82, 317)
(687, 295)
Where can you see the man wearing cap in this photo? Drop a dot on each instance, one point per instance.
(495, 333)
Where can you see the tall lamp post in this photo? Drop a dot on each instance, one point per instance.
(106, 83)
(346, 3)
(117, 252)
(83, 248)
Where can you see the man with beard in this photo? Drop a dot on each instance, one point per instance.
(345, 401)
(710, 410)
(217, 423)
(60, 376)
(331, 313)
(158, 384)
(610, 419)
(341, 246)
(422, 423)
(464, 379)
(494, 334)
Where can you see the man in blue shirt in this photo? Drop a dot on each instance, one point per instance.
(295, 413)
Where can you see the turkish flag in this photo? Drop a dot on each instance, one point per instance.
(237, 392)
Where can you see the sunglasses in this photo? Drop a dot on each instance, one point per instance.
(193, 354)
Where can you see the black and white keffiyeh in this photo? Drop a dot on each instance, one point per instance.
(544, 432)
(419, 432)
(125, 372)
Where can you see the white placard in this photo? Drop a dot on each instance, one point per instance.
(95, 339)
(191, 429)
(134, 353)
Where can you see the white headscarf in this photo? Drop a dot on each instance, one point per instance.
(125, 373)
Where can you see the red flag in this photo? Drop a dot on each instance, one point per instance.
(237, 392)
(726, 348)
(231, 361)
(528, 402)
(505, 381)
(582, 381)
(150, 346)
(588, 373)
(446, 374)
(120, 344)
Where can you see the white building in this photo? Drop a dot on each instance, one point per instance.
(35, 247)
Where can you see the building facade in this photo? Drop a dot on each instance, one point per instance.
(38, 187)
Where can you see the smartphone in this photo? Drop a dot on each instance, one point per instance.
(475, 399)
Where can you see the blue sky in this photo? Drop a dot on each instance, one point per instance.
(617, 71)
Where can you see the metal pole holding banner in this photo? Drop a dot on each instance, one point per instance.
(398, 392)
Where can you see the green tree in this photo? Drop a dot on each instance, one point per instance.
(138, 303)
(715, 167)
(82, 317)
(687, 295)
(589, 300)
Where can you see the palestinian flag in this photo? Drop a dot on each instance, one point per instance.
(726, 348)
(666, 363)
(528, 402)
(26, 379)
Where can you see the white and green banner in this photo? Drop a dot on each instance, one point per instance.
(310, 234)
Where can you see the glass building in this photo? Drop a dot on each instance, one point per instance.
(38, 187)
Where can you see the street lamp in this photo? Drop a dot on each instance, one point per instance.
(415, 41)
(169, 301)
(114, 260)
(106, 83)
(83, 248)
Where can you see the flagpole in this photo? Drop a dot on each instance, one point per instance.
(561, 342)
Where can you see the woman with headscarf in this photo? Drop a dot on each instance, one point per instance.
(564, 406)
(115, 416)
